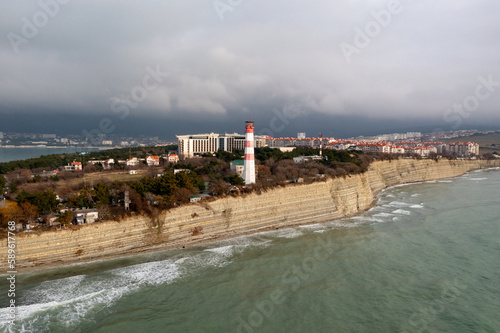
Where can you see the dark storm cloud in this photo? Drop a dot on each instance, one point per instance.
(90, 55)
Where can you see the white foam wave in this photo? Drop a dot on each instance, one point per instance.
(287, 233)
(399, 204)
(382, 215)
(416, 195)
(67, 313)
(402, 212)
(367, 219)
(417, 206)
(478, 179)
(445, 181)
(312, 226)
(225, 250)
(72, 300)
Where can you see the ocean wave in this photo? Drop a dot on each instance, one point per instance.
(224, 250)
(312, 226)
(363, 218)
(383, 215)
(70, 301)
(402, 212)
(417, 206)
(398, 204)
(287, 233)
(478, 179)
(38, 317)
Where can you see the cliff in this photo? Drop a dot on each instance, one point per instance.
(291, 205)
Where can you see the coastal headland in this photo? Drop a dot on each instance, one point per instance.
(230, 216)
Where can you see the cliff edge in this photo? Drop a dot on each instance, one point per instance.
(276, 208)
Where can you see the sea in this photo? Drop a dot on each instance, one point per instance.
(14, 154)
(426, 258)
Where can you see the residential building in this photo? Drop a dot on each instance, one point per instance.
(463, 148)
(153, 160)
(181, 170)
(302, 159)
(238, 166)
(134, 161)
(82, 216)
(172, 158)
(74, 166)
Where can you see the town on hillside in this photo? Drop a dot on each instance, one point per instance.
(68, 190)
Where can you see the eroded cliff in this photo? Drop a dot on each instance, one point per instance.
(291, 205)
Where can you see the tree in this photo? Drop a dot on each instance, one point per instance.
(29, 211)
(82, 199)
(45, 201)
(10, 212)
(13, 188)
(218, 187)
(234, 180)
(101, 194)
(2, 183)
(65, 218)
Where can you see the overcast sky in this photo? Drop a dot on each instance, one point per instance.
(320, 65)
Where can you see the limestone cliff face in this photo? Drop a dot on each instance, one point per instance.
(291, 205)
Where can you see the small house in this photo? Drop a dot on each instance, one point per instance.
(83, 216)
(195, 198)
(134, 161)
(238, 166)
(153, 160)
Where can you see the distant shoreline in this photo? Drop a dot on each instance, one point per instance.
(55, 147)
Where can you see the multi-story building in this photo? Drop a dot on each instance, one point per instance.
(463, 148)
(198, 144)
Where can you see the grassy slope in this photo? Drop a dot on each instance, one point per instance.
(90, 179)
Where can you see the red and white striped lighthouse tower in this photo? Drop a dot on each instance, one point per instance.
(249, 171)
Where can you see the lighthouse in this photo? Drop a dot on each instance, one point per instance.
(249, 171)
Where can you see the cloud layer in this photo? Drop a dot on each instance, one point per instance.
(413, 64)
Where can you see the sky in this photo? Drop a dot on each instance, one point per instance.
(163, 68)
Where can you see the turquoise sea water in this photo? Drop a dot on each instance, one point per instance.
(12, 154)
(425, 259)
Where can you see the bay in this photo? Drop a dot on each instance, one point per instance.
(13, 154)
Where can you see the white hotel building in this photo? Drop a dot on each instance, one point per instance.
(198, 144)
